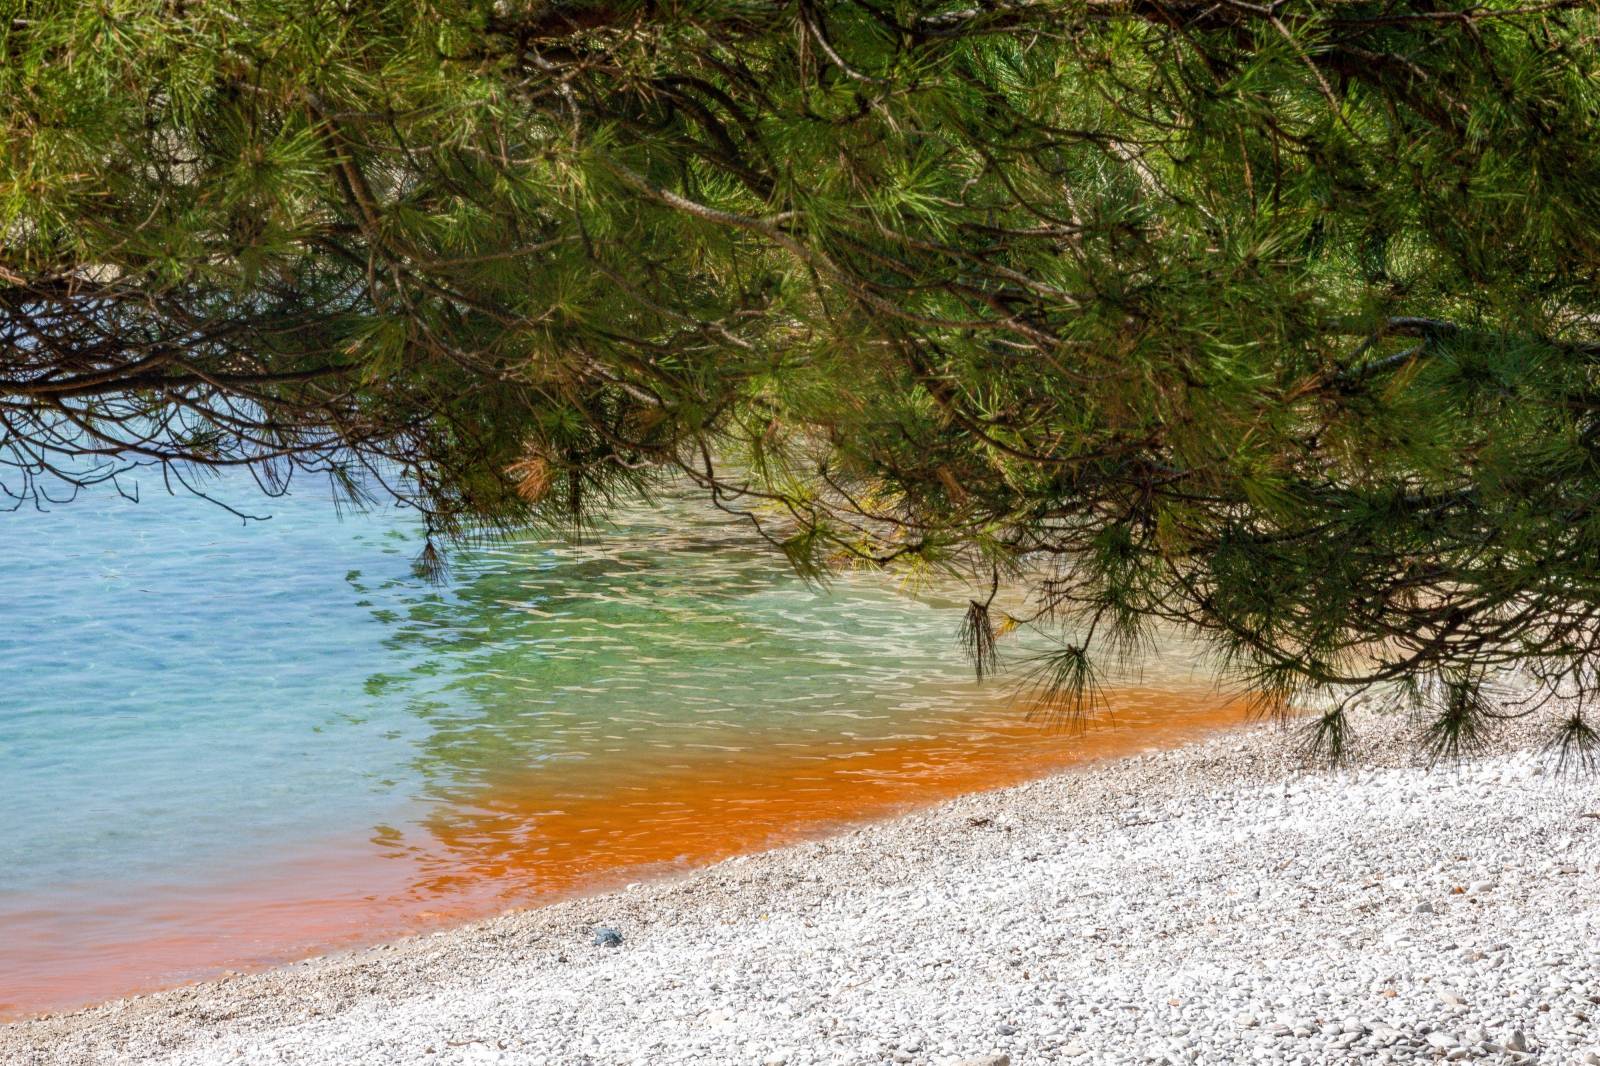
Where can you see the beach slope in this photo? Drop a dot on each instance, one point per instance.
(1215, 903)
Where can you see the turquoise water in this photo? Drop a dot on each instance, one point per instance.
(213, 735)
(174, 676)
(191, 703)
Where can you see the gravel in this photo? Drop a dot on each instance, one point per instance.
(1213, 904)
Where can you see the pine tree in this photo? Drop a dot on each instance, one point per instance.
(1275, 323)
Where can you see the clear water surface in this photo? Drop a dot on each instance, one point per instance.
(222, 743)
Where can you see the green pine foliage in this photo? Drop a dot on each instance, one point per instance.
(1275, 323)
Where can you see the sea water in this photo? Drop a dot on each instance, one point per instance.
(225, 742)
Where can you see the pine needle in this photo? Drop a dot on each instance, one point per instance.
(977, 638)
(430, 564)
(1577, 746)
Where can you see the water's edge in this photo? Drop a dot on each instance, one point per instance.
(1108, 745)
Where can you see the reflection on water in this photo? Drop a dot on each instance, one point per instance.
(229, 745)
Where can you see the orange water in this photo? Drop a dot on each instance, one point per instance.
(527, 838)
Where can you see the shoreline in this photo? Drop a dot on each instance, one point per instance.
(1210, 902)
(522, 843)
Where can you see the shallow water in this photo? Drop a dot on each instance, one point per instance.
(222, 744)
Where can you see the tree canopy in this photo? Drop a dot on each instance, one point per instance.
(1277, 323)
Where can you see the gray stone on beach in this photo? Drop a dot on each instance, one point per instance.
(606, 937)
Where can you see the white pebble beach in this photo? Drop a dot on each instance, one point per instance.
(1217, 903)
